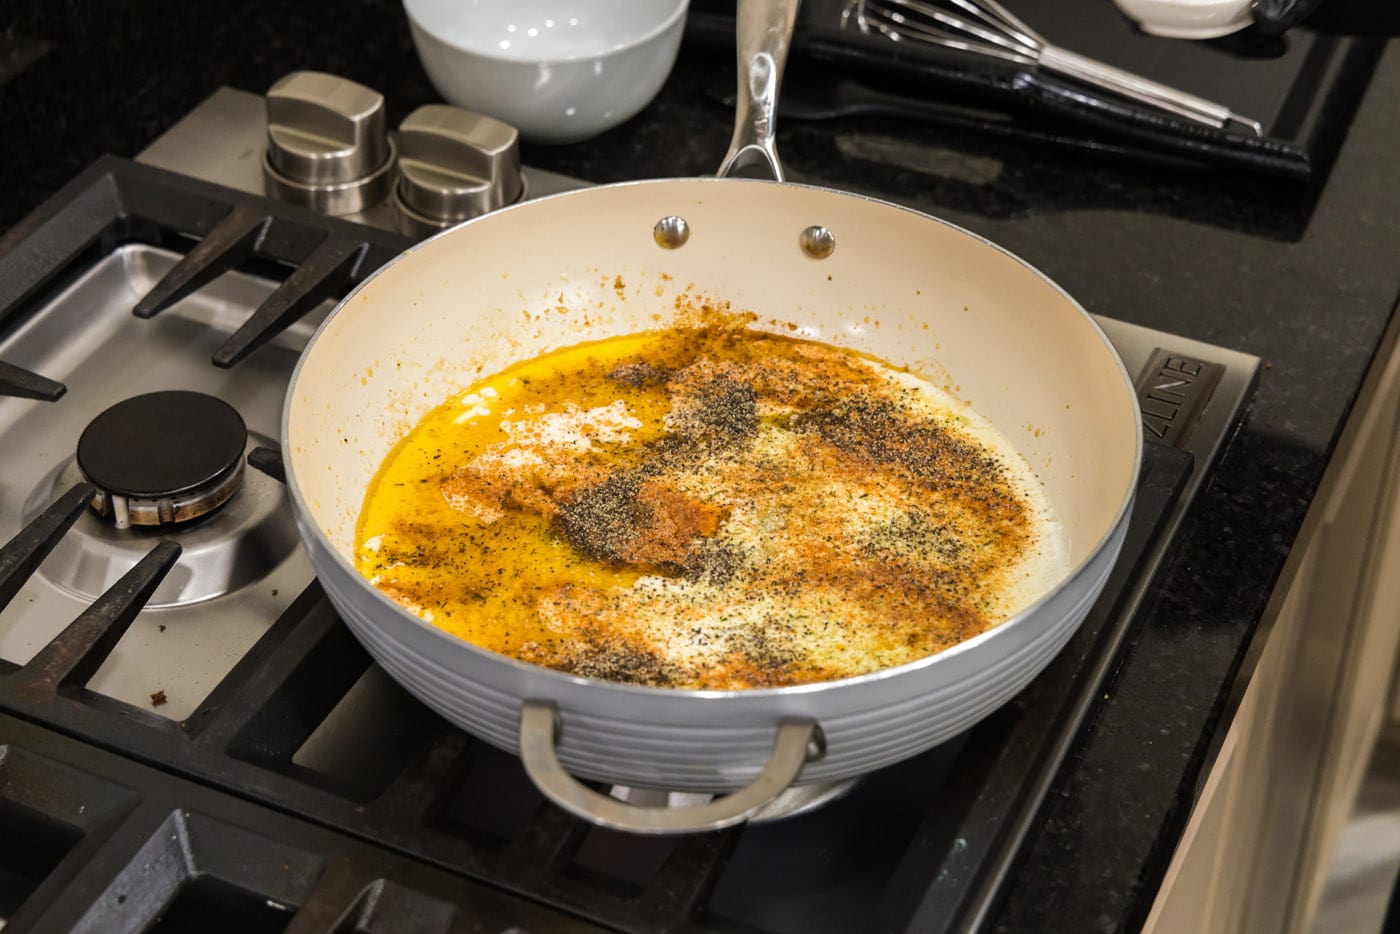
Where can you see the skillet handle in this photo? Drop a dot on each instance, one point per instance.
(796, 742)
(764, 29)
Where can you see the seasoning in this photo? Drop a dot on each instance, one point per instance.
(709, 507)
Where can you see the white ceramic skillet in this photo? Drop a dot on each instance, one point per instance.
(909, 288)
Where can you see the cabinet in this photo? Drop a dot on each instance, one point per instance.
(1259, 841)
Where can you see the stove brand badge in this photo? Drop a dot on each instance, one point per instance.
(1172, 392)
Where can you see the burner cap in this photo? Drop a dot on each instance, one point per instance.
(163, 457)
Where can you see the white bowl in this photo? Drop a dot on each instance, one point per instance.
(559, 71)
(1189, 19)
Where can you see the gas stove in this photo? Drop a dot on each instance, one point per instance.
(188, 732)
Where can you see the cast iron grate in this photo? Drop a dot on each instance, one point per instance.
(111, 845)
(307, 725)
(117, 201)
(17, 381)
(936, 822)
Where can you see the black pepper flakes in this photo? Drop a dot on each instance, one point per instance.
(600, 521)
(720, 390)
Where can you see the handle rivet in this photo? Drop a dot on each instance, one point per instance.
(671, 232)
(817, 242)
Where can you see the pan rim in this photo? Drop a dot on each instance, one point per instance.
(622, 689)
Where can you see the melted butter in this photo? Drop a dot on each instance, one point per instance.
(711, 507)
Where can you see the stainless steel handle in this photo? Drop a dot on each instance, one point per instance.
(796, 742)
(764, 30)
(1135, 87)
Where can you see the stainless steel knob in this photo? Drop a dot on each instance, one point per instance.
(327, 146)
(455, 165)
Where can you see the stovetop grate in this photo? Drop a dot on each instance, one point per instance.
(306, 725)
(118, 201)
(111, 845)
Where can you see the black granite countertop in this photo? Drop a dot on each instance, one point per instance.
(1304, 276)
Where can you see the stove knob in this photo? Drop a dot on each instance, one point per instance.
(455, 165)
(327, 147)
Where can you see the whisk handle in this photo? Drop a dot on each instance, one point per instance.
(1089, 71)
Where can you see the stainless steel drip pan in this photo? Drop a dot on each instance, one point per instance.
(316, 763)
(241, 566)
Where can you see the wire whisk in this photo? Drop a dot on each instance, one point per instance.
(985, 27)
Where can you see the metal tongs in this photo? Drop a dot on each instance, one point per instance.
(986, 27)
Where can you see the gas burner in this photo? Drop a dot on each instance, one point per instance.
(163, 457)
(227, 549)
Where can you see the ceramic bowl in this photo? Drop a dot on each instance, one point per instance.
(1188, 19)
(559, 71)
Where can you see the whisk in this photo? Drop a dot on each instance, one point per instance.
(986, 27)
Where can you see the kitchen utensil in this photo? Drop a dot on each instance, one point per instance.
(560, 71)
(611, 260)
(985, 27)
(823, 97)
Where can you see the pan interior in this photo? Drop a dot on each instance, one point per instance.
(586, 265)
